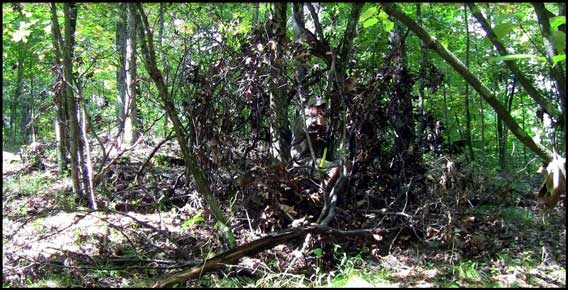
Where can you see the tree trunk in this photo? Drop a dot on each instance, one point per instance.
(279, 126)
(149, 54)
(421, 85)
(121, 35)
(502, 130)
(164, 58)
(59, 95)
(481, 109)
(19, 98)
(32, 122)
(255, 14)
(446, 116)
(434, 44)
(400, 104)
(336, 86)
(467, 114)
(131, 126)
(70, 10)
(556, 70)
(509, 104)
(84, 147)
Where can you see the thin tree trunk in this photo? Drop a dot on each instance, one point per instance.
(434, 44)
(131, 126)
(481, 108)
(32, 123)
(59, 96)
(421, 85)
(400, 105)
(87, 161)
(502, 131)
(17, 97)
(121, 35)
(70, 10)
(337, 75)
(164, 58)
(446, 115)
(468, 137)
(255, 14)
(524, 81)
(556, 70)
(279, 126)
(505, 131)
(149, 54)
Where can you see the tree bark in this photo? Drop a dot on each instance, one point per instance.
(164, 58)
(279, 125)
(255, 14)
(131, 125)
(121, 35)
(70, 10)
(421, 84)
(59, 97)
(467, 113)
(556, 70)
(18, 96)
(434, 44)
(400, 104)
(446, 116)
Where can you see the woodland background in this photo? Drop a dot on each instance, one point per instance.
(149, 144)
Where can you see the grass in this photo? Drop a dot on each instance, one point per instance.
(352, 271)
(53, 280)
(518, 216)
(27, 184)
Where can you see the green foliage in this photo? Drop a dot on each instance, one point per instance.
(518, 216)
(197, 218)
(556, 21)
(318, 252)
(27, 185)
(56, 280)
(503, 29)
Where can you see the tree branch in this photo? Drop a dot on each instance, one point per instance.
(435, 45)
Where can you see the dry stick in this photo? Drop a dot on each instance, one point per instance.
(141, 169)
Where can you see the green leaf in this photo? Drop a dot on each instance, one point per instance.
(318, 252)
(519, 56)
(244, 26)
(370, 22)
(559, 58)
(195, 219)
(559, 40)
(322, 163)
(387, 24)
(503, 29)
(368, 13)
(557, 21)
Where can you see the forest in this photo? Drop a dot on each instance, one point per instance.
(283, 144)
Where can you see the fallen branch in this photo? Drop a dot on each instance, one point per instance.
(249, 249)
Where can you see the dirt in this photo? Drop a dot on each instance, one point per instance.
(45, 236)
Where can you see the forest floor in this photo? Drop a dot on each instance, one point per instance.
(48, 241)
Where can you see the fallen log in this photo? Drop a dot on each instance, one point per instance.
(232, 256)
